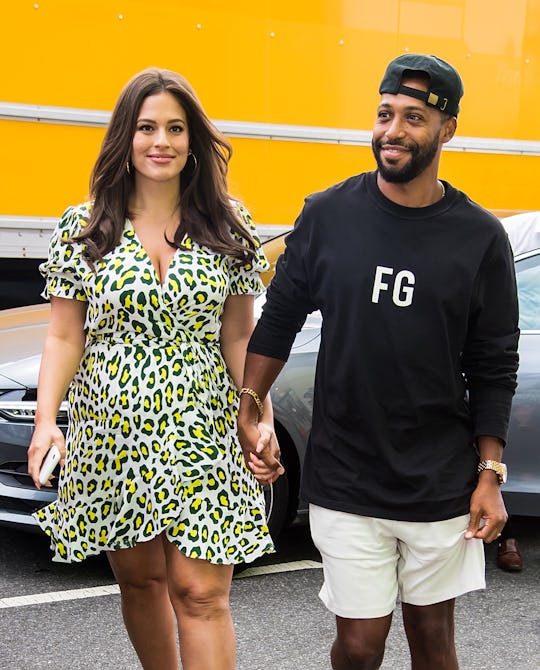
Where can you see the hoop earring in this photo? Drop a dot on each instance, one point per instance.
(128, 167)
(190, 153)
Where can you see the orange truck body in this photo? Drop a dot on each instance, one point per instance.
(294, 85)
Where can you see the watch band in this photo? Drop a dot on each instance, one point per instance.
(498, 468)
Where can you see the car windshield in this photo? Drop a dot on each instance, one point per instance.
(528, 283)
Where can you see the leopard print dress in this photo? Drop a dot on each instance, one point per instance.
(151, 444)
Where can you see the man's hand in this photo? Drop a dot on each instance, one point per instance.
(261, 451)
(488, 513)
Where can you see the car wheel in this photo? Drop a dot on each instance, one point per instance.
(276, 498)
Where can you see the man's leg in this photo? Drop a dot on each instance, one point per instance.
(430, 633)
(437, 564)
(360, 586)
(359, 644)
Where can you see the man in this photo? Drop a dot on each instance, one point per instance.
(414, 381)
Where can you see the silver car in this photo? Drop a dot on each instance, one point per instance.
(22, 333)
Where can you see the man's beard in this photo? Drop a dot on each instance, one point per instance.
(420, 159)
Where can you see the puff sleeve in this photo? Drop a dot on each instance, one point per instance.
(62, 269)
(245, 276)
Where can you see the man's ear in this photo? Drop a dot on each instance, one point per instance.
(448, 129)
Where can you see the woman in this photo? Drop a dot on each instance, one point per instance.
(151, 287)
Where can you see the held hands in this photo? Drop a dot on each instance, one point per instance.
(42, 440)
(261, 451)
(488, 513)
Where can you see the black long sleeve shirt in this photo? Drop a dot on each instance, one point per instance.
(418, 350)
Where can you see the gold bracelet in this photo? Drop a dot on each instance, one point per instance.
(255, 397)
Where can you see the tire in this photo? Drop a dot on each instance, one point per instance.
(276, 497)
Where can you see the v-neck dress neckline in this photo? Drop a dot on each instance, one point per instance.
(161, 281)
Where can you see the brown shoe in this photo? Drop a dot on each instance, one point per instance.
(509, 556)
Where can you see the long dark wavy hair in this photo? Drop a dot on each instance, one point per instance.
(207, 215)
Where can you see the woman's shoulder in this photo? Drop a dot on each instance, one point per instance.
(242, 213)
(74, 219)
(245, 218)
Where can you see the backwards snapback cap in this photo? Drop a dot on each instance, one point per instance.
(445, 89)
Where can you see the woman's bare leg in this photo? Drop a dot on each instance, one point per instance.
(141, 573)
(200, 593)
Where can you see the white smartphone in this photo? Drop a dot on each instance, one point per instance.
(48, 465)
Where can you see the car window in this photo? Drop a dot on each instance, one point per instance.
(528, 284)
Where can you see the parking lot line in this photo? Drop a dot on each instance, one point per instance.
(112, 589)
(278, 567)
(56, 596)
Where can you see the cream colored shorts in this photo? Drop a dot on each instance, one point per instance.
(368, 562)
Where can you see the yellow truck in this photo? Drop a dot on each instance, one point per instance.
(292, 84)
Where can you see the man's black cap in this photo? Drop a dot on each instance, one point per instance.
(446, 87)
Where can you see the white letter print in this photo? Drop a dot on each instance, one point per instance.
(406, 291)
(403, 289)
(378, 284)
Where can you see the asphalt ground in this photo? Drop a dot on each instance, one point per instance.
(279, 619)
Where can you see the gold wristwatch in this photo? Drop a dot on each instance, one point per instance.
(498, 468)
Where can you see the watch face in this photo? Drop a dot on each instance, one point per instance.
(503, 472)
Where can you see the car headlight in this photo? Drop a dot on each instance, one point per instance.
(25, 411)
